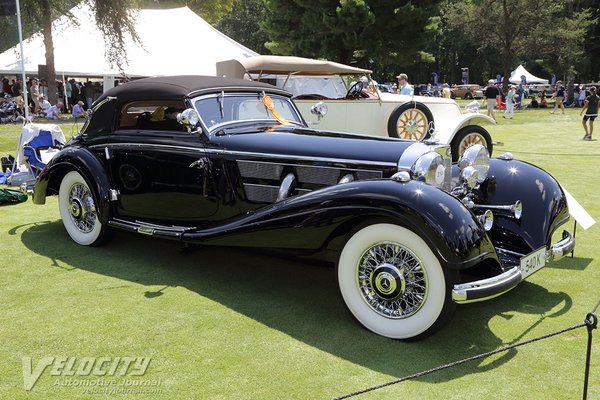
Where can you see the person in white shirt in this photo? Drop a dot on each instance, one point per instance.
(54, 112)
(78, 111)
(44, 104)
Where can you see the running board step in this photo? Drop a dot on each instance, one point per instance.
(164, 231)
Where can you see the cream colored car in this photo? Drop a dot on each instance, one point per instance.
(338, 97)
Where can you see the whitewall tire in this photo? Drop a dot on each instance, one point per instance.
(393, 283)
(78, 210)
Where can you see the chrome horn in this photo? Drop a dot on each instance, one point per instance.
(514, 210)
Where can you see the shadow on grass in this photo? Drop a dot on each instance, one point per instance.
(301, 300)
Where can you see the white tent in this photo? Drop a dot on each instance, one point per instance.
(515, 76)
(174, 42)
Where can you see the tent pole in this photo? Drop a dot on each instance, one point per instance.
(24, 84)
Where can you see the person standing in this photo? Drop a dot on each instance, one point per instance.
(34, 90)
(491, 93)
(510, 102)
(590, 106)
(559, 95)
(403, 86)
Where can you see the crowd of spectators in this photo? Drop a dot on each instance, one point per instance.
(74, 97)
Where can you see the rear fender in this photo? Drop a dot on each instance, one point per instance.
(78, 159)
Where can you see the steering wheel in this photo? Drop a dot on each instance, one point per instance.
(355, 90)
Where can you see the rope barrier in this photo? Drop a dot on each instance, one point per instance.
(591, 322)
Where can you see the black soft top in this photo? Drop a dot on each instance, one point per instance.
(180, 87)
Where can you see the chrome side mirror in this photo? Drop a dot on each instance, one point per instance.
(188, 118)
(319, 109)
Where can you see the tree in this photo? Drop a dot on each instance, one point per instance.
(114, 18)
(211, 10)
(242, 24)
(385, 32)
(518, 29)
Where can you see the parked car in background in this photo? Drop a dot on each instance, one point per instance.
(470, 91)
(535, 89)
(411, 235)
(333, 96)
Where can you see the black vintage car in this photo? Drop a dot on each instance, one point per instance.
(411, 235)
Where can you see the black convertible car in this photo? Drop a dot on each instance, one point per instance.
(229, 162)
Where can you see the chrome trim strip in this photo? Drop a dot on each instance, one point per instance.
(243, 153)
(484, 289)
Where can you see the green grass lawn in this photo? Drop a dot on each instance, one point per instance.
(227, 324)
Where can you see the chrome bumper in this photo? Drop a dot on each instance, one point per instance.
(484, 289)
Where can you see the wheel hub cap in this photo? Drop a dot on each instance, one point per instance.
(388, 281)
(391, 280)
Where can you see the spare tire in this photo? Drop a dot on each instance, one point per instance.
(412, 121)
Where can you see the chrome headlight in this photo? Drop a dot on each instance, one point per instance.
(430, 168)
(478, 157)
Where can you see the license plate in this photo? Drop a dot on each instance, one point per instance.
(533, 262)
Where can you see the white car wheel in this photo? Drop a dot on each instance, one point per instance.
(78, 210)
(392, 282)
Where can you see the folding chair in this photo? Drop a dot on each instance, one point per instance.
(40, 150)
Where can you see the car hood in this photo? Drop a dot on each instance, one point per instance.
(308, 143)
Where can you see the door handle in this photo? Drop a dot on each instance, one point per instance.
(201, 164)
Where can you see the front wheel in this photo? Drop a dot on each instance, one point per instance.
(79, 211)
(468, 136)
(393, 283)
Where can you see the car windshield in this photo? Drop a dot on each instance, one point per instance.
(216, 110)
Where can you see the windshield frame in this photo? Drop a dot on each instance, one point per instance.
(222, 95)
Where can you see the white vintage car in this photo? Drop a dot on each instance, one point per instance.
(338, 97)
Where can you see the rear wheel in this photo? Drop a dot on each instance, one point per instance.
(79, 211)
(468, 96)
(468, 136)
(411, 121)
(393, 283)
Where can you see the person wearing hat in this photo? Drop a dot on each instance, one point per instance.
(559, 95)
(491, 93)
(403, 86)
(510, 102)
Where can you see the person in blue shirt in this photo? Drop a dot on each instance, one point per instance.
(403, 86)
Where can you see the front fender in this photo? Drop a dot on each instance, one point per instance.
(74, 158)
(446, 132)
(310, 221)
(544, 204)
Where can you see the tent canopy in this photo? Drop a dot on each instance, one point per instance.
(515, 76)
(174, 42)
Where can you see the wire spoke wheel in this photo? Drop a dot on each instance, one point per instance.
(393, 283)
(79, 211)
(391, 280)
(83, 209)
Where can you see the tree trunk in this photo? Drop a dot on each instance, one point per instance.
(49, 45)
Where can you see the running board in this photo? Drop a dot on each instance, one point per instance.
(163, 231)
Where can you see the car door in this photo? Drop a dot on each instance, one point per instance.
(162, 176)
